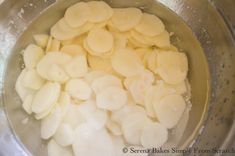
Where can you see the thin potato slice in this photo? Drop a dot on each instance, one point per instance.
(41, 40)
(150, 25)
(125, 19)
(64, 135)
(32, 80)
(99, 63)
(56, 150)
(77, 14)
(73, 50)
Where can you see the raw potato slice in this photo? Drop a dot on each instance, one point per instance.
(27, 103)
(100, 11)
(170, 109)
(103, 82)
(87, 109)
(93, 75)
(77, 14)
(120, 41)
(45, 97)
(141, 52)
(45, 113)
(57, 74)
(73, 50)
(78, 89)
(62, 31)
(132, 127)
(150, 25)
(119, 115)
(172, 66)
(64, 136)
(152, 61)
(119, 144)
(19, 87)
(162, 40)
(111, 98)
(48, 60)
(154, 135)
(54, 46)
(32, 55)
(98, 119)
(50, 124)
(126, 62)
(64, 101)
(139, 38)
(153, 96)
(100, 40)
(32, 80)
(125, 19)
(99, 63)
(41, 40)
(56, 150)
(114, 128)
(90, 144)
(49, 43)
(73, 117)
(77, 67)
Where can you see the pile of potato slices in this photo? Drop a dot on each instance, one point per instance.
(105, 78)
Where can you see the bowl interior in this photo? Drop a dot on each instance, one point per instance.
(29, 134)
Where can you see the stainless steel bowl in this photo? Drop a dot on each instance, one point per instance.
(204, 30)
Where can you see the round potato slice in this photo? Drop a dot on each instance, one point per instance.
(32, 55)
(45, 113)
(100, 40)
(150, 25)
(90, 144)
(98, 119)
(77, 67)
(78, 89)
(73, 50)
(64, 135)
(125, 19)
(162, 40)
(41, 40)
(87, 108)
(50, 90)
(126, 62)
(93, 75)
(114, 128)
(99, 63)
(172, 66)
(27, 103)
(56, 73)
(54, 149)
(32, 80)
(170, 109)
(100, 11)
(132, 127)
(56, 58)
(77, 14)
(50, 124)
(111, 98)
(154, 135)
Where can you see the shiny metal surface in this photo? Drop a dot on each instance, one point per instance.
(212, 25)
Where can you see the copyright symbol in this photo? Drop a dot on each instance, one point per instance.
(125, 150)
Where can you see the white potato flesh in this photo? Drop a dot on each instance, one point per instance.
(132, 127)
(90, 144)
(119, 115)
(54, 149)
(87, 108)
(56, 73)
(170, 109)
(64, 135)
(41, 40)
(162, 40)
(49, 59)
(99, 63)
(50, 124)
(77, 67)
(73, 50)
(126, 62)
(119, 144)
(125, 19)
(53, 46)
(152, 61)
(111, 98)
(77, 14)
(73, 117)
(120, 40)
(32, 55)
(93, 75)
(21, 90)
(114, 128)
(172, 66)
(153, 96)
(150, 25)
(98, 119)
(45, 113)
(45, 97)
(103, 82)
(154, 135)
(32, 80)
(63, 101)
(100, 40)
(27, 103)
(100, 11)
(78, 89)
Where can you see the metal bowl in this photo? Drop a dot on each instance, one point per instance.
(202, 29)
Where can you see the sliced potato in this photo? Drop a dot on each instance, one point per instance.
(64, 135)
(32, 80)
(41, 40)
(54, 149)
(73, 50)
